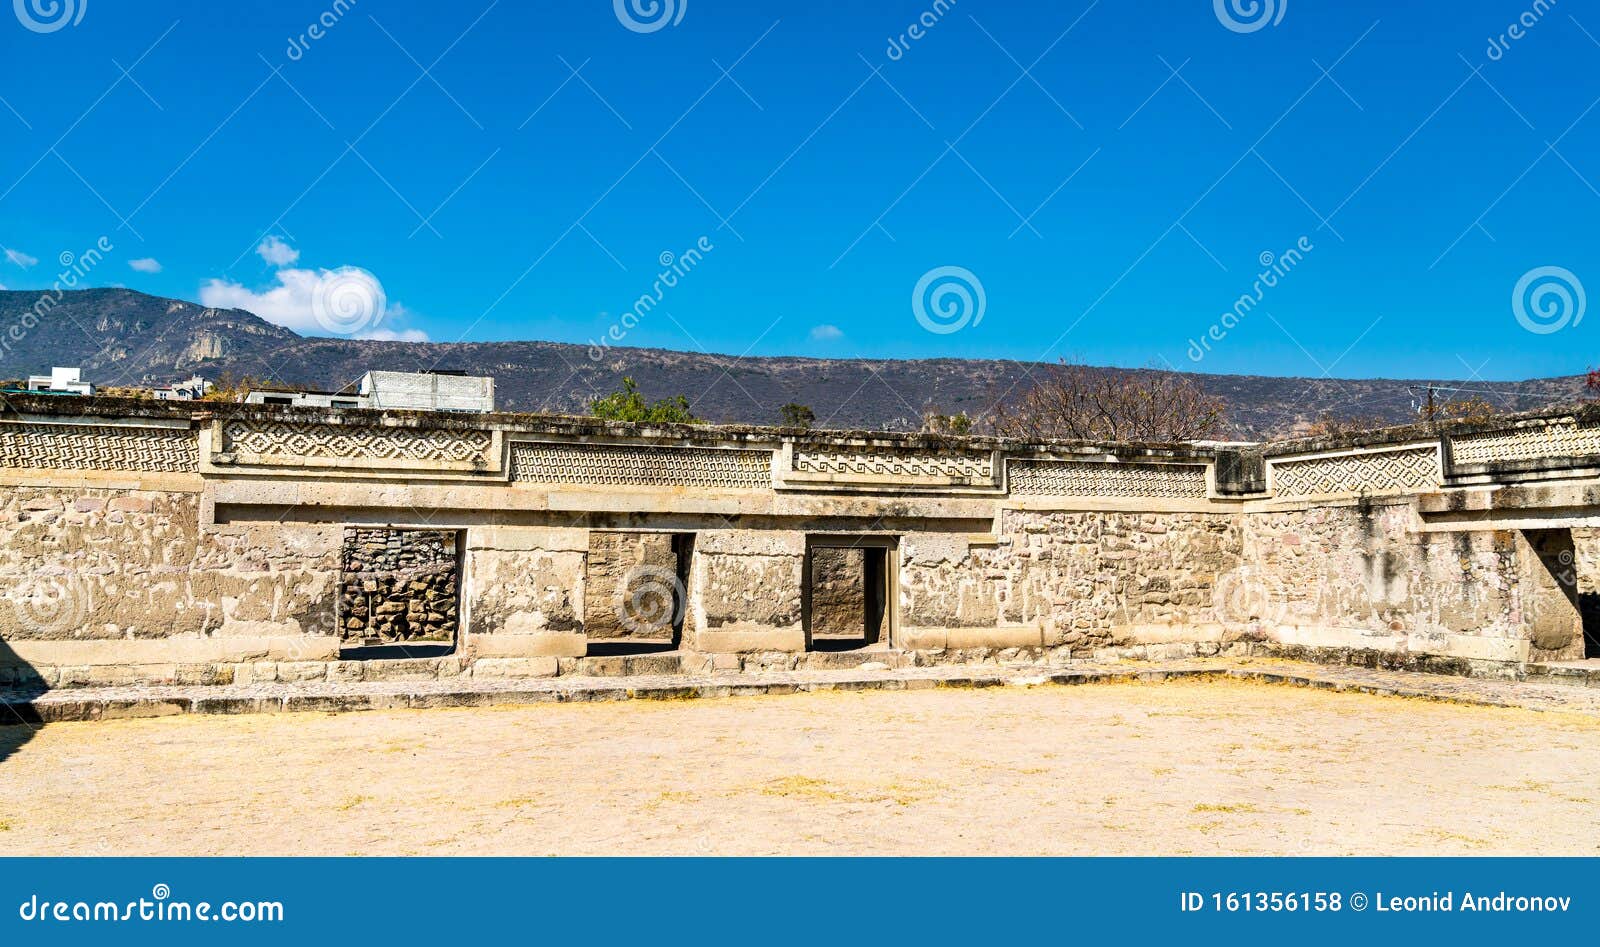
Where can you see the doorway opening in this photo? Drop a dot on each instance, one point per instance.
(636, 591)
(1562, 607)
(847, 595)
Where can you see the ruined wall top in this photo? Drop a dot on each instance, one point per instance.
(226, 441)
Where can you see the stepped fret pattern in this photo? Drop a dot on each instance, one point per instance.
(1566, 439)
(93, 447)
(285, 439)
(641, 466)
(1386, 472)
(1081, 479)
(926, 464)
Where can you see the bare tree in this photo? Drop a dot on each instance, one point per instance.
(1472, 408)
(1072, 401)
(1330, 423)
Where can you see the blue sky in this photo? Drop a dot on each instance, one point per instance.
(518, 170)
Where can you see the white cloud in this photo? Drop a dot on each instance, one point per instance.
(21, 259)
(826, 333)
(276, 252)
(2, 287)
(347, 302)
(395, 335)
(146, 265)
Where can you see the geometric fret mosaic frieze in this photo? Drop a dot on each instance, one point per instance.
(96, 447)
(1385, 472)
(1088, 479)
(608, 465)
(945, 465)
(289, 439)
(1565, 439)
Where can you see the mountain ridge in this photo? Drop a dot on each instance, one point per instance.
(124, 337)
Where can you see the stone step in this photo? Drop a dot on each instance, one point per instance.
(1574, 673)
(108, 703)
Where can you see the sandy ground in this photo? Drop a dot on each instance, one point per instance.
(1178, 768)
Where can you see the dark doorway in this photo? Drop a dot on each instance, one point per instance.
(1561, 619)
(636, 597)
(846, 597)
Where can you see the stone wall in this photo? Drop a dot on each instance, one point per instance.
(1586, 556)
(124, 577)
(745, 591)
(1079, 579)
(142, 534)
(1365, 576)
(1548, 578)
(525, 592)
(397, 585)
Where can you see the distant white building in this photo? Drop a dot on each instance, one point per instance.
(192, 390)
(428, 391)
(64, 381)
(290, 398)
(413, 391)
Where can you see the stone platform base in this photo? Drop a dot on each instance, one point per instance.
(466, 667)
(83, 704)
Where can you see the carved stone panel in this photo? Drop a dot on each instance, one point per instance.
(1401, 471)
(1565, 439)
(98, 447)
(646, 466)
(289, 439)
(1087, 479)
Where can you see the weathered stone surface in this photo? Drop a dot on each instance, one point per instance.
(1078, 576)
(746, 592)
(514, 667)
(631, 586)
(1362, 575)
(1471, 544)
(112, 702)
(838, 592)
(398, 585)
(115, 564)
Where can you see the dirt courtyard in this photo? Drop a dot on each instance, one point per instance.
(1144, 769)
